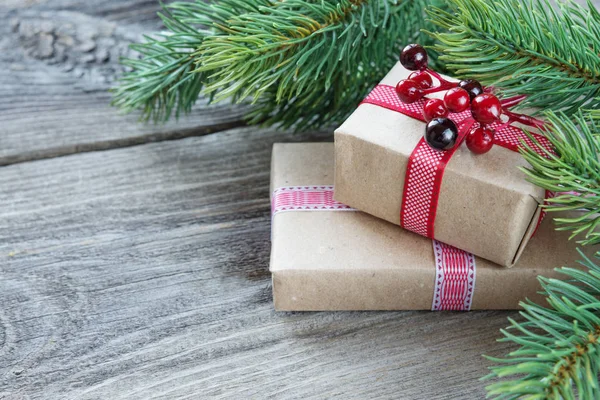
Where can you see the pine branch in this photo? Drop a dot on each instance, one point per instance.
(559, 353)
(525, 47)
(296, 46)
(305, 98)
(573, 173)
(162, 80)
(304, 64)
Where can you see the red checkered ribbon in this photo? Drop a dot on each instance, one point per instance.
(454, 268)
(423, 179)
(426, 165)
(454, 278)
(304, 198)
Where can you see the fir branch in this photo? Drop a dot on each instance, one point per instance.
(305, 64)
(573, 173)
(525, 47)
(295, 43)
(162, 80)
(559, 345)
(559, 353)
(305, 100)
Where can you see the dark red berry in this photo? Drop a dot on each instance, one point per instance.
(441, 133)
(434, 108)
(457, 100)
(472, 87)
(422, 78)
(414, 57)
(408, 91)
(486, 108)
(480, 140)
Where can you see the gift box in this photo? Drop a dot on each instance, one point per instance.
(328, 256)
(478, 203)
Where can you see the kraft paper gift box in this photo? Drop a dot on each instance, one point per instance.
(327, 257)
(485, 205)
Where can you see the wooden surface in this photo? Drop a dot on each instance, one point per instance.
(134, 259)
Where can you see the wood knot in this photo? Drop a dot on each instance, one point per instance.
(85, 46)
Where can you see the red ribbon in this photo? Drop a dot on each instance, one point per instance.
(426, 165)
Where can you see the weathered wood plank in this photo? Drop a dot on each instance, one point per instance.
(56, 68)
(141, 12)
(58, 59)
(143, 273)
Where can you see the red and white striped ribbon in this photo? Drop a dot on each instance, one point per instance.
(455, 269)
(305, 198)
(426, 165)
(454, 278)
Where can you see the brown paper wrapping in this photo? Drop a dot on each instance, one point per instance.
(336, 260)
(485, 205)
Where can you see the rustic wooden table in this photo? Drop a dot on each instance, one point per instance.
(134, 258)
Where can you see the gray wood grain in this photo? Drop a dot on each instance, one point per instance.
(56, 67)
(143, 273)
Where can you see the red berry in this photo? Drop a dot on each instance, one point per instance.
(434, 108)
(422, 78)
(414, 57)
(441, 133)
(408, 91)
(486, 108)
(480, 140)
(457, 100)
(473, 87)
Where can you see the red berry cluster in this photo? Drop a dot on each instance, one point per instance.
(441, 132)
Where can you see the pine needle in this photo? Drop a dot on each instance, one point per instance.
(303, 64)
(525, 47)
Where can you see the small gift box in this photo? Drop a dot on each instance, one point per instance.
(478, 203)
(328, 256)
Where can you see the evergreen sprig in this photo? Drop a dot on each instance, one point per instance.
(572, 172)
(525, 47)
(551, 56)
(303, 63)
(559, 345)
(162, 80)
(314, 62)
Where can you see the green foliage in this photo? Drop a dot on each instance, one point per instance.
(309, 65)
(303, 63)
(525, 47)
(573, 172)
(559, 345)
(162, 80)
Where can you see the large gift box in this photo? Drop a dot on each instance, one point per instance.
(328, 256)
(478, 203)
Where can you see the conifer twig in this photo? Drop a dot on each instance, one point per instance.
(525, 47)
(573, 173)
(559, 345)
(303, 64)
